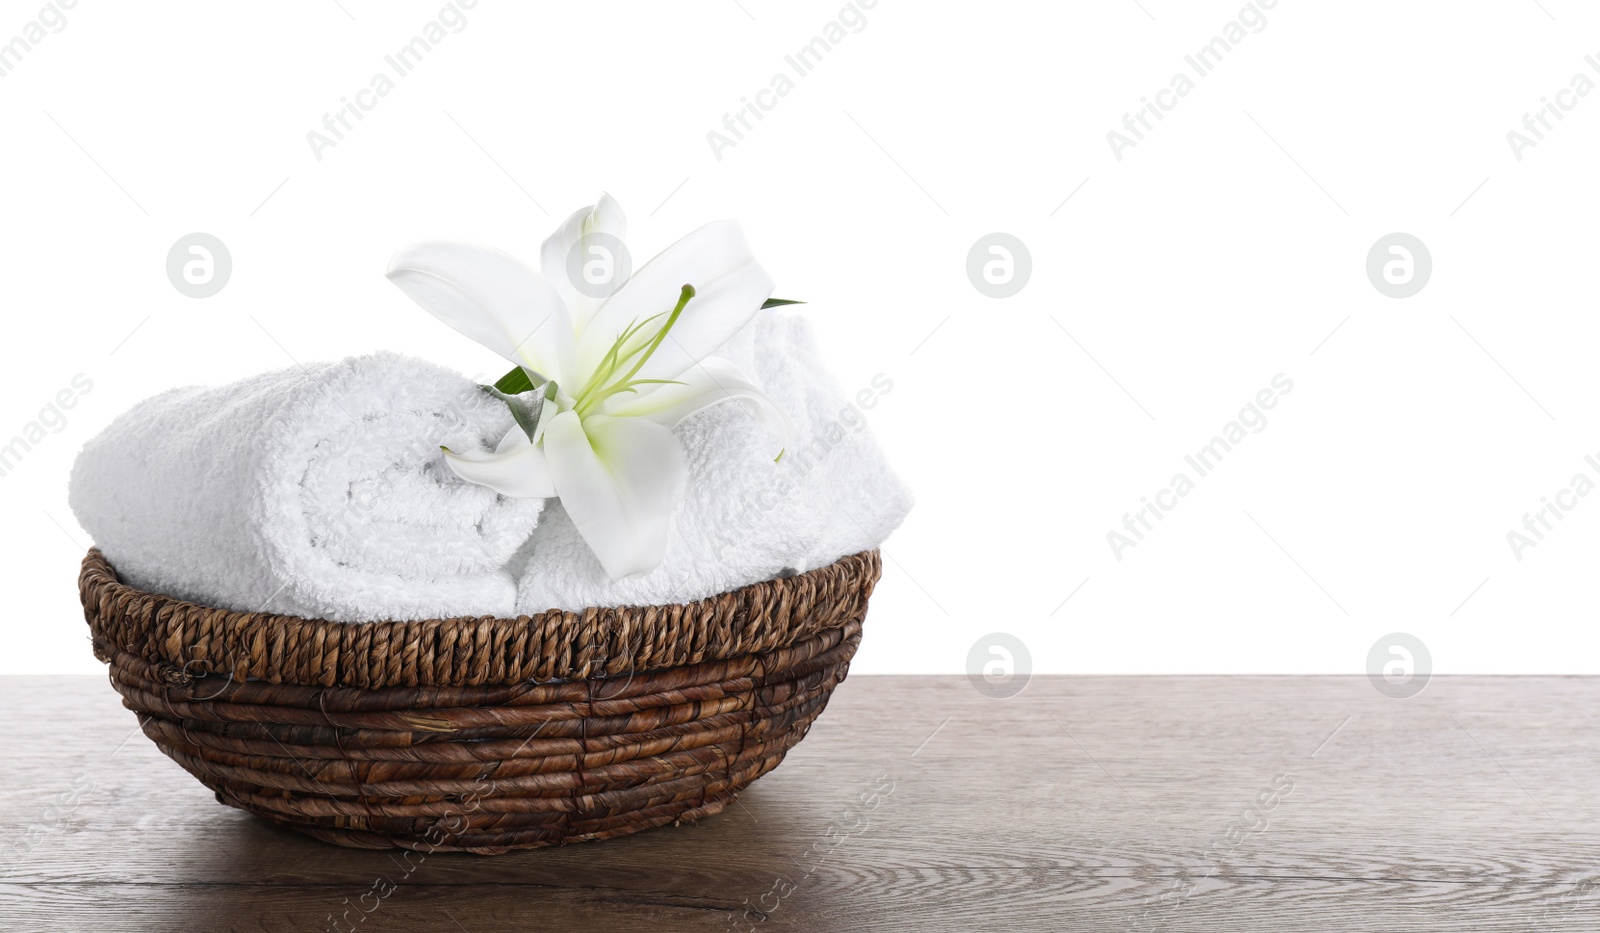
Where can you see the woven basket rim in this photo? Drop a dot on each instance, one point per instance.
(190, 640)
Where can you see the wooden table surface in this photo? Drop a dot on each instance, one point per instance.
(916, 803)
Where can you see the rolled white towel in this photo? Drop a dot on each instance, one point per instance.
(317, 491)
(744, 518)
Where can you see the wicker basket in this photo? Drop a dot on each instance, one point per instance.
(483, 734)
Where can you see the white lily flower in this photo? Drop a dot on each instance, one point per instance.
(612, 375)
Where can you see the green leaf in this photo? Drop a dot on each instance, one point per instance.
(515, 382)
(525, 406)
(778, 303)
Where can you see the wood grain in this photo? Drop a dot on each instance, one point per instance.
(1103, 804)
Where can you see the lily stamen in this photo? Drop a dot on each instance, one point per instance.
(627, 383)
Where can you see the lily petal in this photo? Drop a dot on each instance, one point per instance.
(729, 289)
(620, 480)
(604, 217)
(711, 382)
(516, 468)
(492, 298)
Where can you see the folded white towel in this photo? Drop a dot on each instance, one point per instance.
(743, 518)
(318, 491)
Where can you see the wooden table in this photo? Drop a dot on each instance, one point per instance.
(1097, 804)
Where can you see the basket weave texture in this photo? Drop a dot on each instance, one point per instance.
(483, 734)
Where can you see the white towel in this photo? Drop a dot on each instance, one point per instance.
(318, 491)
(744, 518)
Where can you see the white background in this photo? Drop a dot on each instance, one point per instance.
(1223, 249)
